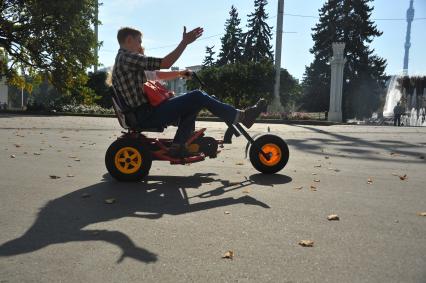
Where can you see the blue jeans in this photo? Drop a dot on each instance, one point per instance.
(184, 108)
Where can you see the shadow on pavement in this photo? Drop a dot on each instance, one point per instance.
(64, 219)
(358, 148)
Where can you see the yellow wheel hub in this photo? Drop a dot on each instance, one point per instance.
(128, 160)
(273, 151)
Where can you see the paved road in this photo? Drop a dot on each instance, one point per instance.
(177, 225)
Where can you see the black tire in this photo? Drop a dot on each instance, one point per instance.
(280, 158)
(128, 169)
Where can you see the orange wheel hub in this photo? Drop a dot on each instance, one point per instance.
(273, 151)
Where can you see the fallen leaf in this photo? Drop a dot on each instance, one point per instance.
(370, 181)
(313, 188)
(17, 145)
(110, 200)
(336, 170)
(54, 177)
(403, 177)
(229, 254)
(306, 243)
(72, 156)
(421, 214)
(318, 166)
(317, 180)
(13, 156)
(326, 157)
(76, 159)
(299, 188)
(227, 212)
(333, 217)
(70, 175)
(314, 173)
(65, 137)
(246, 191)
(36, 153)
(239, 163)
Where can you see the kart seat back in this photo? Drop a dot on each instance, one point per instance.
(126, 116)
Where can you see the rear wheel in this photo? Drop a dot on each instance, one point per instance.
(128, 160)
(277, 150)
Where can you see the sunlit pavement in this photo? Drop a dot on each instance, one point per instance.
(178, 224)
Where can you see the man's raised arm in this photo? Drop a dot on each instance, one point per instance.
(187, 38)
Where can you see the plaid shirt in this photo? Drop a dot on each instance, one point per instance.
(128, 75)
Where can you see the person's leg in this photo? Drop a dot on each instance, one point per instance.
(185, 128)
(394, 120)
(188, 104)
(398, 118)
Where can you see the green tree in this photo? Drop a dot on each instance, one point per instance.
(97, 82)
(209, 59)
(49, 36)
(257, 39)
(232, 45)
(345, 21)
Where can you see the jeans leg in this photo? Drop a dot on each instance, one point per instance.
(187, 104)
(185, 128)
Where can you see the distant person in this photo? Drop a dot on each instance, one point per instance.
(397, 112)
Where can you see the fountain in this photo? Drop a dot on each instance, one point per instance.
(393, 95)
(407, 91)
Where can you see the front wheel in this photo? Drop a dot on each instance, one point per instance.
(273, 146)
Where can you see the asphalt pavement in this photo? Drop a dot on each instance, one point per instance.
(179, 223)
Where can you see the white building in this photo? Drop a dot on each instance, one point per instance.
(179, 85)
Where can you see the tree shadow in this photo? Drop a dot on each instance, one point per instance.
(65, 219)
(353, 145)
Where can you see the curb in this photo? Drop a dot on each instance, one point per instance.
(202, 119)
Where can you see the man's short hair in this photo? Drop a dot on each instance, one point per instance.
(123, 33)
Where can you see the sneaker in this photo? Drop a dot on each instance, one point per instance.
(251, 113)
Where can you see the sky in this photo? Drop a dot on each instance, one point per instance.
(162, 21)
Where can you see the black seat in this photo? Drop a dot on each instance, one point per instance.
(126, 116)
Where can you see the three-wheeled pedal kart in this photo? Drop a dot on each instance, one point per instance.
(130, 157)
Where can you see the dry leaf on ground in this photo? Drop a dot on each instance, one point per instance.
(421, 214)
(306, 243)
(17, 145)
(229, 254)
(369, 181)
(299, 188)
(313, 188)
(318, 166)
(403, 177)
(36, 153)
(70, 175)
(110, 200)
(13, 156)
(333, 217)
(314, 173)
(227, 212)
(317, 180)
(54, 177)
(246, 191)
(239, 163)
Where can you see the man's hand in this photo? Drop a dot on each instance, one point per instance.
(190, 37)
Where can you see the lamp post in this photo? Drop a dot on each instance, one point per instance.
(276, 106)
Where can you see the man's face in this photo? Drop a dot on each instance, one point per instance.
(134, 43)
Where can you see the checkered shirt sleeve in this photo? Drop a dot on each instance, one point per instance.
(128, 76)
